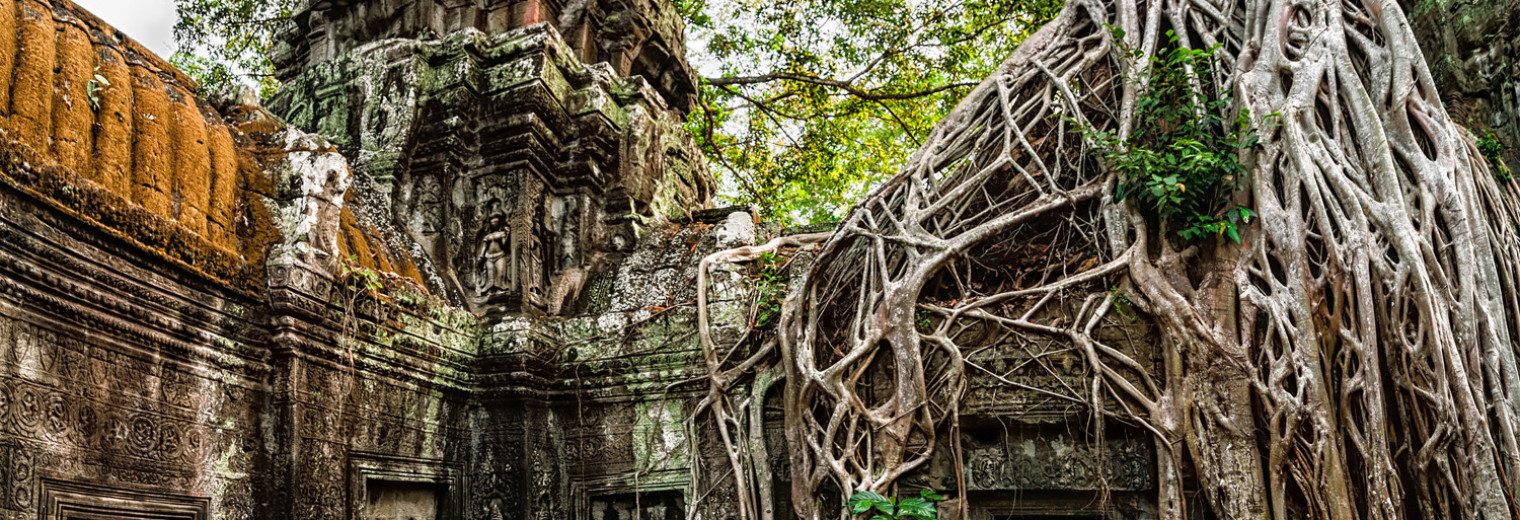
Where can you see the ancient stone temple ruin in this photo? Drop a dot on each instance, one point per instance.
(446, 272)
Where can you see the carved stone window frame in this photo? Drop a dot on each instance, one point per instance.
(666, 480)
(364, 467)
(63, 499)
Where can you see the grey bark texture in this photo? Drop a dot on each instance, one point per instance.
(1353, 357)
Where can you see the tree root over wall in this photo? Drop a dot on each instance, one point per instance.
(1353, 357)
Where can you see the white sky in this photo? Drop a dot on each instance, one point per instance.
(150, 22)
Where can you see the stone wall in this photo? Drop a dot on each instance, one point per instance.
(1471, 47)
(521, 171)
(136, 130)
(643, 38)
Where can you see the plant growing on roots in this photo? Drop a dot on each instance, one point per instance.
(771, 284)
(1354, 357)
(1181, 159)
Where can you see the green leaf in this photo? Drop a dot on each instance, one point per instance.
(870, 499)
(917, 508)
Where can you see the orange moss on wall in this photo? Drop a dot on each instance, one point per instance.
(406, 266)
(147, 138)
(152, 159)
(253, 220)
(365, 246)
(150, 162)
(382, 255)
(8, 13)
(32, 81)
(398, 262)
(113, 136)
(192, 161)
(223, 199)
(352, 244)
(22, 168)
(73, 117)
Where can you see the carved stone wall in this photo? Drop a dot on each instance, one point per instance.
(521, 171)
(635, 37)
(120, 374)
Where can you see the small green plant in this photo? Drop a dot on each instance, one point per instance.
(924, 320)
(360, 279)
(93, 89)
(771, 285)
(1182, 161)
(883, 508)
(1122, 304)
(1492, 148)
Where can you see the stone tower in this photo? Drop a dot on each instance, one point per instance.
(522, 144)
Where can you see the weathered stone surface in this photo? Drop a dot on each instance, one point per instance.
(1472, 47)
(521, 171)
(643, 38)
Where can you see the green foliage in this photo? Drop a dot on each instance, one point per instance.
(923, 320)
(1490, 146)
(360, 279)
(94, 87)
(1122, 305)
(771, 286)
(223, 43)
(883, 508)
(810, 103)
(1181, 161)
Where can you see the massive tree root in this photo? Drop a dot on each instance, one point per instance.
(1353, 357)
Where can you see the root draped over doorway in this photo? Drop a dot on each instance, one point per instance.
(1353, 357)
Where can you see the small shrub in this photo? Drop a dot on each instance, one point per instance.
(771, 284)
(1182, 161)
(1490, 146)
(923, 320)
(360, 279)
(1122, 304)
(883, 508)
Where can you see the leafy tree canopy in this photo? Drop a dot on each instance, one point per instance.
(806, 103)
(227, 42)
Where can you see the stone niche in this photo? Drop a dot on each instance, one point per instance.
(388, 487)
(401, 500)
(75, 501)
